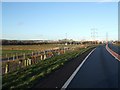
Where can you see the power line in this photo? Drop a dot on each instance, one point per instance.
(94, 34)
(106, 36)
(66, 35)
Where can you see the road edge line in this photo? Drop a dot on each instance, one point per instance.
(75, 72)
(108, 49)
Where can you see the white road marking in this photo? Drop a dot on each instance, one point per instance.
(75, 72)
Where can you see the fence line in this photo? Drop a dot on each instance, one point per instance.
(25, 60)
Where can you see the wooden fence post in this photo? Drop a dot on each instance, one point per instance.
(40, 57)
(20, 62)
(32, 53)
(24, 55)
(6, 68)
(29, 61)
(44, 56)
(6, 55)
(58, 52)
(25, 62)
(16, 56)
(8, 58)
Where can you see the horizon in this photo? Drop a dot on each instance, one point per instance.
(60, 39)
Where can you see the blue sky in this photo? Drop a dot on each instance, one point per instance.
(38, 20)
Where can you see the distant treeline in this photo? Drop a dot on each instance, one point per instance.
(38, 42)
(20, 42)
(117, 42)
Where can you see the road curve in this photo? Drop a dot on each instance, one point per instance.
(114, 48)
(99, 71)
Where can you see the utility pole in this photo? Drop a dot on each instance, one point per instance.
(66, 35)
(66, 38)
(106, 37)
(94, 34)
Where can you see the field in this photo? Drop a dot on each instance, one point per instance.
(10, 50)
(117, 45)
(26, 77)
(15, 56)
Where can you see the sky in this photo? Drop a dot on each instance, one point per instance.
(58, 20)
(59, 0)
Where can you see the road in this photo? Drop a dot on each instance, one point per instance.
(114, 48)
(100, 70)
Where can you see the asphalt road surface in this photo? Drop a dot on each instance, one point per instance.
(114, 48)
(100, 70)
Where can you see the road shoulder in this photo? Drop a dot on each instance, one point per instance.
(60, 76)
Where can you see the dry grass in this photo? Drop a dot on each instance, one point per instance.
(36, 47)
(11, 50)
(27, 47)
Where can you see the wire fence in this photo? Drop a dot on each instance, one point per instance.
(15, 62)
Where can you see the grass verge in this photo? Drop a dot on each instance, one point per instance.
(26, 77)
